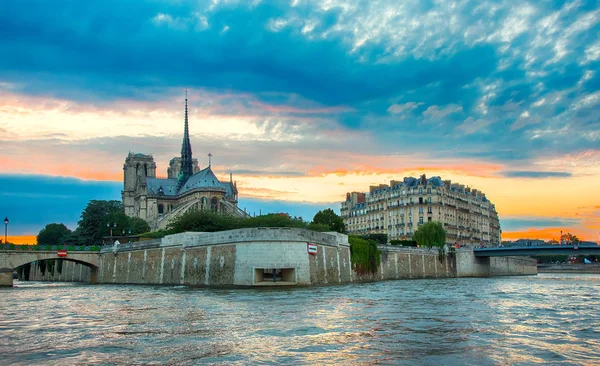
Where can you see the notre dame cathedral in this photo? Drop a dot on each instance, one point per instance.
(187, 187)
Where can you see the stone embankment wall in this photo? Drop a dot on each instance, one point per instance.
(230, 258)
(512, 266)
(70, 272)
(241, 258)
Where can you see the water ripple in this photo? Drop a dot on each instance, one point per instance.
(545, 319)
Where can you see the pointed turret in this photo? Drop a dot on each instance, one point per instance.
(187, 169)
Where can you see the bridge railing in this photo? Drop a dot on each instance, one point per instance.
(69, 248)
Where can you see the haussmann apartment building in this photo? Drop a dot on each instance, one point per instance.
(398, 209)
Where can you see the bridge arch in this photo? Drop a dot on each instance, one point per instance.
(12, 260)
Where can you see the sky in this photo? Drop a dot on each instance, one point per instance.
(303, 101)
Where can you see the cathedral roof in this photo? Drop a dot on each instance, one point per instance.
(203, 179)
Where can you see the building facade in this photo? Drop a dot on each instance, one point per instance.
(187, 187)
(398, 209)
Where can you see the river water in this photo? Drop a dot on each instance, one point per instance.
(544, 319)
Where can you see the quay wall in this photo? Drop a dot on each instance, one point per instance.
(241, 258)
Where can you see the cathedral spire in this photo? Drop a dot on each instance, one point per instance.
(187, 169)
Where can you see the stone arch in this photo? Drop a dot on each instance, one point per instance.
(161, 209)
(13, 260)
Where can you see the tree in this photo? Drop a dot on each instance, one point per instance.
(431, 234)
(330, 218)
(53, 234)
(94, 219)
(570, 239)
(137, 226)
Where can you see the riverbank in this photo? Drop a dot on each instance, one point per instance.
(569, 268)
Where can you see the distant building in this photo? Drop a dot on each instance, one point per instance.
(399, 208)
(187, 187)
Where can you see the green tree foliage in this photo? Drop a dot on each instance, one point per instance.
(318, 227)
(273, 220)
(203, 221)
(431, 234)
(206, 221)
(405, 243)
(53, 234)
(381, 239)
(364, 255)
(94, 219)
(570, 239)
(137, 226)
(330, 218)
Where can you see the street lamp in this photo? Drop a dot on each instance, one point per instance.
(110, 228)
(5, 228)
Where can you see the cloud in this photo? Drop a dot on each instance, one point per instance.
(472, 125)
(535, 174)
(435, 111)
(400, 108)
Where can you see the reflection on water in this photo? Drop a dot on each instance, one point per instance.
(546, 319)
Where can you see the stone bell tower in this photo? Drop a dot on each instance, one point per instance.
(136, 169)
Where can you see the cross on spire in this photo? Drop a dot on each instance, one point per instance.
(209, 156)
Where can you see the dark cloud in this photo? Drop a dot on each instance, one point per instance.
(32, 201)
(535, 175)
(107, 50)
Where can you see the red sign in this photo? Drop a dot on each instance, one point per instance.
(62, 253)
(311, 248)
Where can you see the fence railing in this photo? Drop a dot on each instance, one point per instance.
(69, 248)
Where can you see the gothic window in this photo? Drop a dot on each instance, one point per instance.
(161, 209)
(145, 170)
(203, 203)
(214, 204)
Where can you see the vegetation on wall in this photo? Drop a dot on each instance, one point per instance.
(364, 255)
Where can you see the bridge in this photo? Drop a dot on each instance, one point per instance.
(18, 256)
(542, 250)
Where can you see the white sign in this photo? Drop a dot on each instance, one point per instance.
(312, 248)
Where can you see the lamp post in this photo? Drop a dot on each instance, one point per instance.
(5, 228)
(110, 228)
(561, 238)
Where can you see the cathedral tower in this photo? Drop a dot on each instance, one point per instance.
(136, 169)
